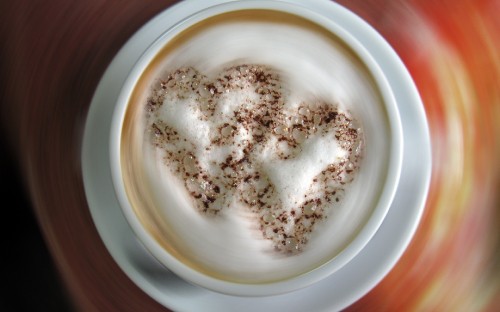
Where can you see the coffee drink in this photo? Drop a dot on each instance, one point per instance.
(254, 146)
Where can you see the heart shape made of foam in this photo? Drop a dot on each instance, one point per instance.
(240, 140)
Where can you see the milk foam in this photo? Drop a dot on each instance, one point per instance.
(310, 70)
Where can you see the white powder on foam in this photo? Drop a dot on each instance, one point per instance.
(293, 176)
(183, 116)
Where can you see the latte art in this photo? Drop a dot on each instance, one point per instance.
(254, 141)
(254, 146)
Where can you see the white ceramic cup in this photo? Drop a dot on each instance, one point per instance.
(363, 237)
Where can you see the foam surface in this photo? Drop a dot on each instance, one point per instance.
(263, 149)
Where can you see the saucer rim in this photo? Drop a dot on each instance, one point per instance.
(104, 206)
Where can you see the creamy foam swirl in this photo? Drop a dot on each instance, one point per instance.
(259, 151)
(287, 163)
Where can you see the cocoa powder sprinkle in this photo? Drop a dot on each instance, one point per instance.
(241, 176)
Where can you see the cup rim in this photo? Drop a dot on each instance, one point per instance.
(369, 228)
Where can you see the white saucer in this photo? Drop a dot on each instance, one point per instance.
(333, 293)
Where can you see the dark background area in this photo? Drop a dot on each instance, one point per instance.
(30, 280)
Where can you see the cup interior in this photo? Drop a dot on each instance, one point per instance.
(384, 197)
